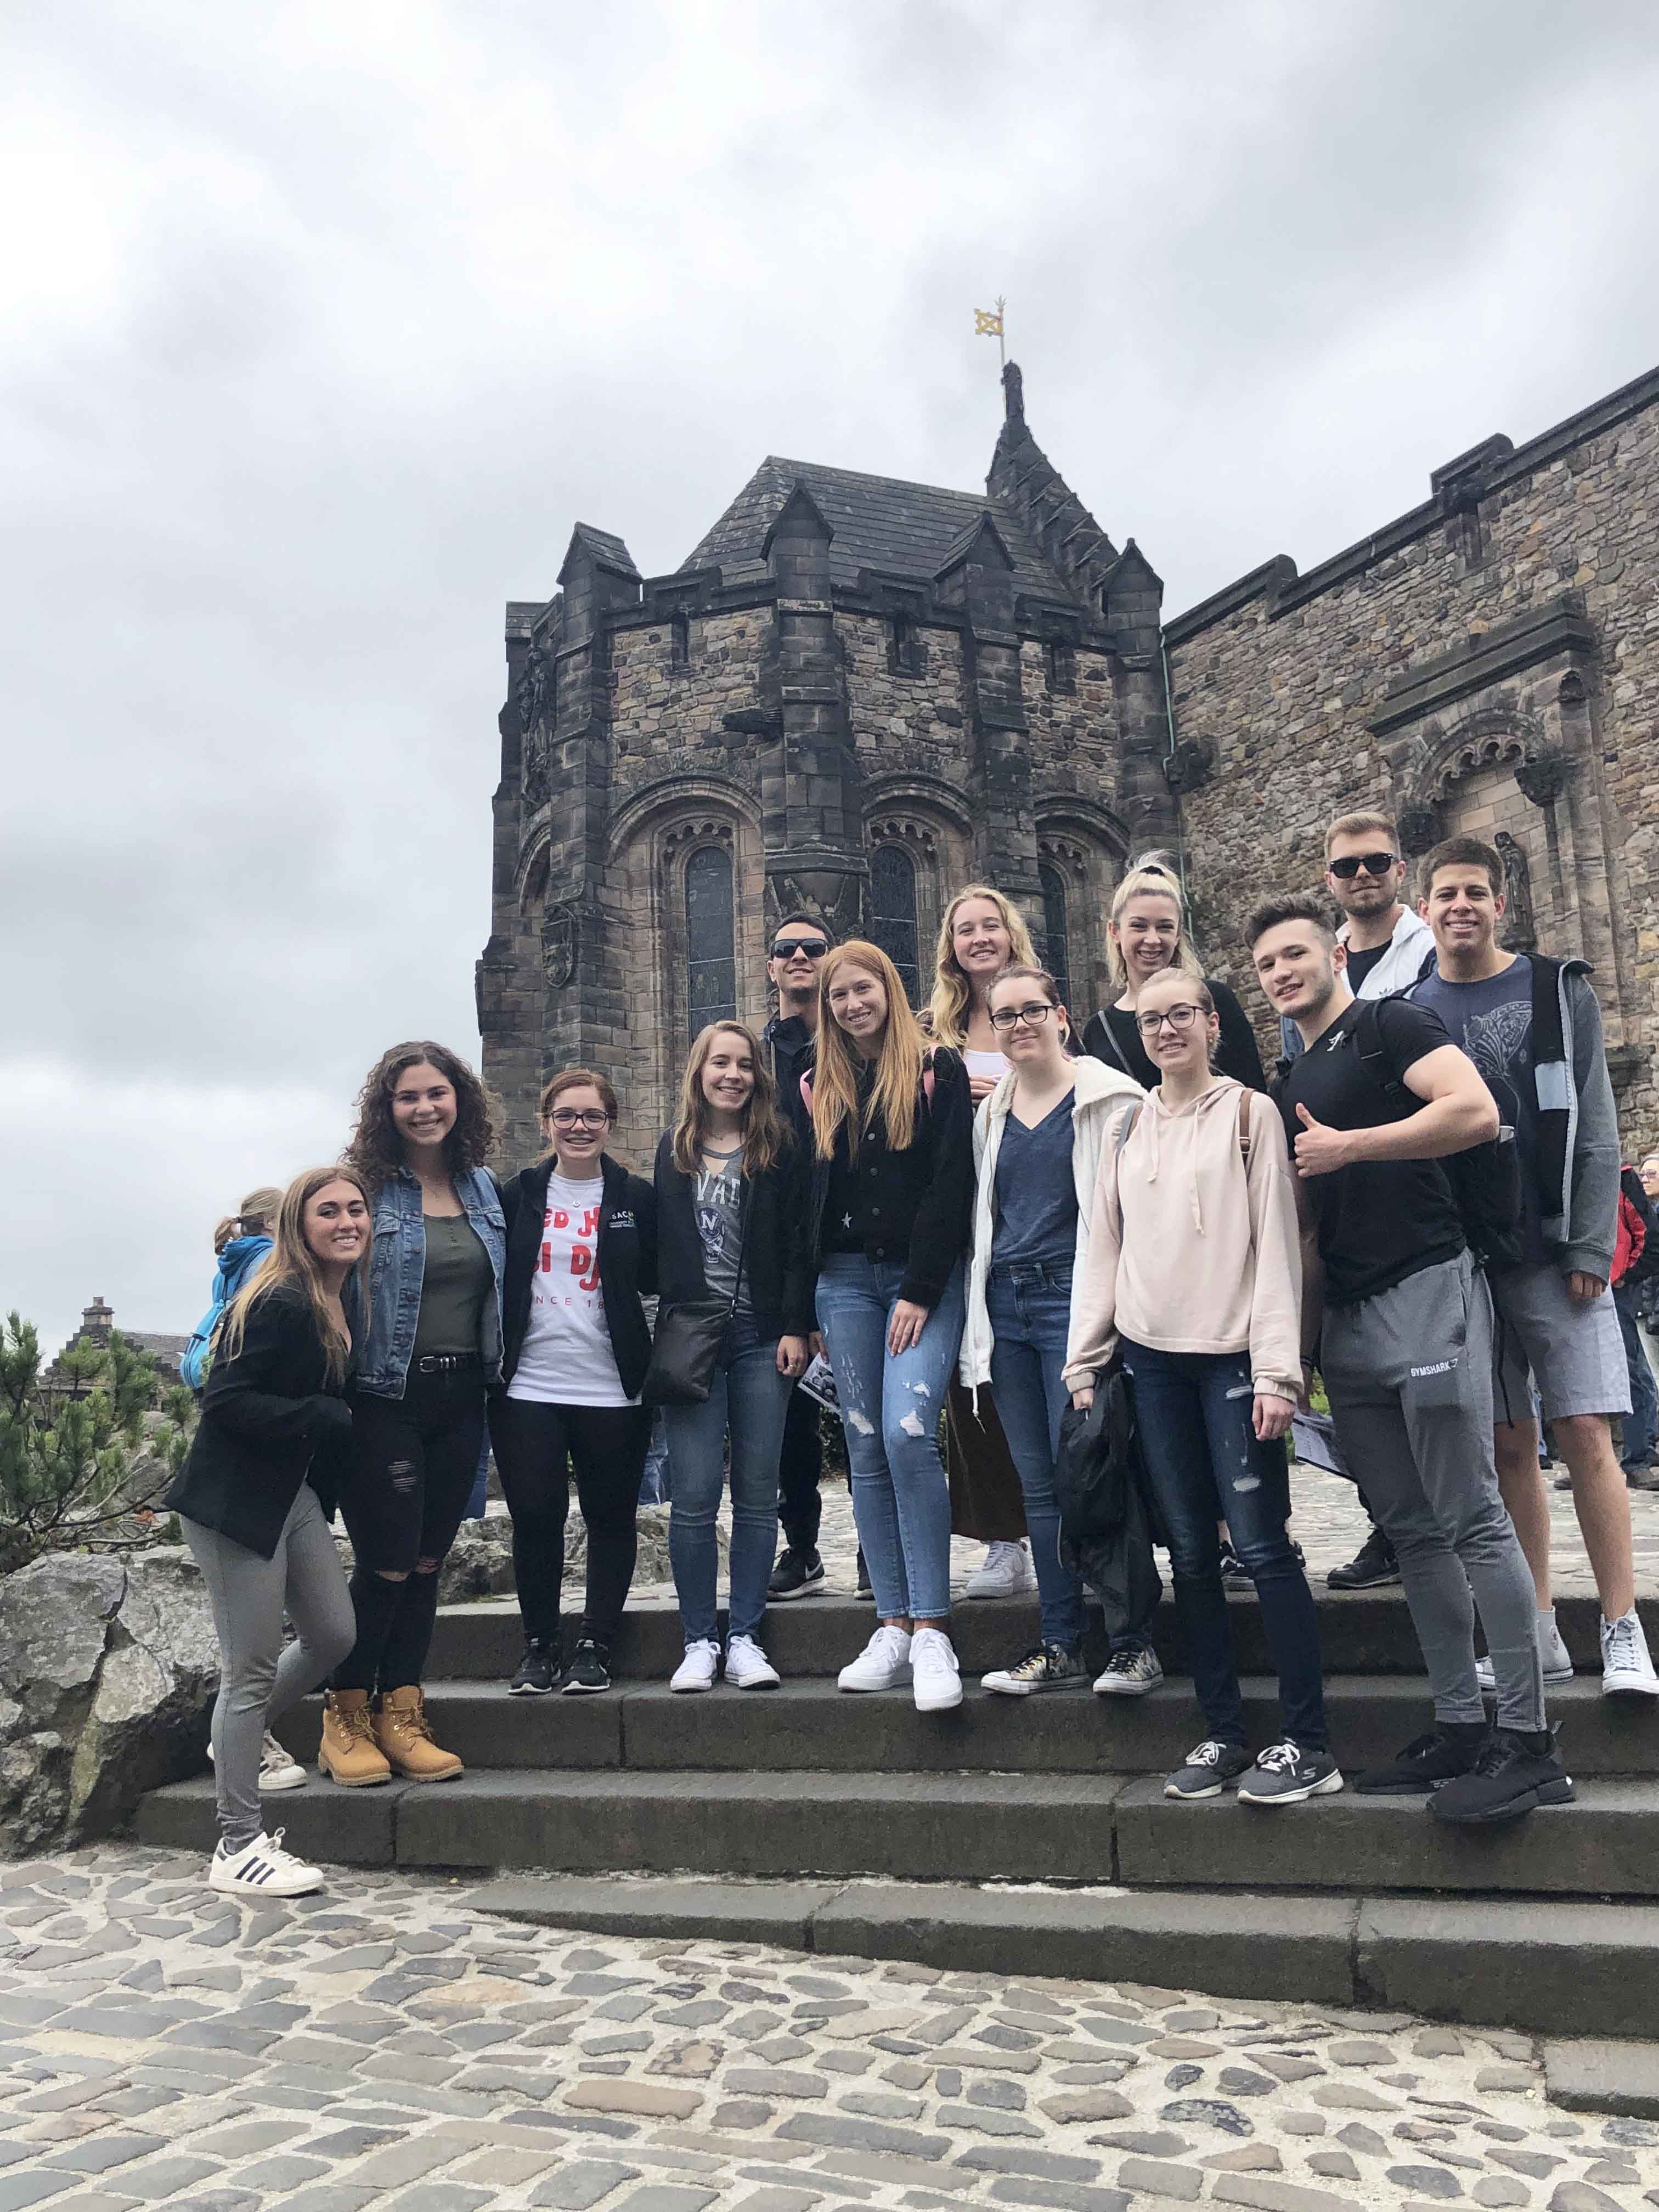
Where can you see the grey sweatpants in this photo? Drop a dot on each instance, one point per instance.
(258, 1680)
(1409, 1378)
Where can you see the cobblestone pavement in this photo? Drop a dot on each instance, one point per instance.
(380, 2044)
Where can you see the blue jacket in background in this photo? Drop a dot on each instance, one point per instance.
(237, 1262)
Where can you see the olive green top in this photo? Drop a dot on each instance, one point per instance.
(457, 1281)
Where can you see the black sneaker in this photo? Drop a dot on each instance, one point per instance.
(797, 1574)
(1372, 1566)
(1515, 1772)
(1447, 1750)
(538, 1670)
(1234, 1573)
(588, 1671)
(1209, 1767)
(1285, 1774)
(862, 1588)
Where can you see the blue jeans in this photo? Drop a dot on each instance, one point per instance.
(889, 1409)
(1030, 1309)
(1194, 1412)
(1643, 1419)
(750, 1398)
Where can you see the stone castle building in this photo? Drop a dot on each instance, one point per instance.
(857, 693)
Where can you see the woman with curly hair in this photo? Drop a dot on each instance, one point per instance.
(431, 1350)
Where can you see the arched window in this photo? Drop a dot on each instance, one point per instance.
(893, 911)
(711, 956)
(1055, 957)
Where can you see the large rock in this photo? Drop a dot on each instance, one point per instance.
(481, 1563)
(109, 1666)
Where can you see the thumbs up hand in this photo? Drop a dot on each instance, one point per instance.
(1320, 1150)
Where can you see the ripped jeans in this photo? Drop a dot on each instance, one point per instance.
(1194, 1413)
(889, 1409)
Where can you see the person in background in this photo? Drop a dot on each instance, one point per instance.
(730, 1224)
(581, 1253)
(1148, 932)
(274, 1417)
(240, 1243)
(1037, 1150)
(982, 930)
(1194, 1261)
(1637, 1274)
(1647, 1294)
(431, 1350)
(799, 945)
(893, 1186)
(1388, 944)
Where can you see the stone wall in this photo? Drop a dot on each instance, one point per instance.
(1490, 659)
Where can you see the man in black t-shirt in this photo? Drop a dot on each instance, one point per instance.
(1402, 1321)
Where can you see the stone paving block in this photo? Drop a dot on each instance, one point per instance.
(330, 2197)
(1269, 2195)
(270, 2175)
(99, 2154)
(167, 2176)
(439, 2196)
(837, 2134)
(18, 2190)
(583, 2183)
(664, 2197)
(1592, 2075)
(650, 2099)
(1157, 2177)
(1058, 2196)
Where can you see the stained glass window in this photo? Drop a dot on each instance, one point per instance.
(711, 953)
(893, 911)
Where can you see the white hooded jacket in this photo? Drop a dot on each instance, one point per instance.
(1098, 1090)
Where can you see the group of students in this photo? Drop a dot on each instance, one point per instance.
(964, 1199)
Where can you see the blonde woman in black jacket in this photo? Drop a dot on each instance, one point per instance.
(274, 1422)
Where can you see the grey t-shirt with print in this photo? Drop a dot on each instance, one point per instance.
(1492, 1021)
(717, 1195)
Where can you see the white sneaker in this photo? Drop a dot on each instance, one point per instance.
(262, 1868)
(747, 1666)
(279, 1770)
(884, 1664)
(699, 1669)
(1625, 1666)
(934, 1672)
(1553, 1654)
(1006, 1571)
(1130, 1673)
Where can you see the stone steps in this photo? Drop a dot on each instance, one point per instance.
(811, 1724)
(1076, 1828)
(1361, 1632)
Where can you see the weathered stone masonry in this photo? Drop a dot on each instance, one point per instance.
(857, 693)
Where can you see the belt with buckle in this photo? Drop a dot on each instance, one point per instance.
(446, 1363)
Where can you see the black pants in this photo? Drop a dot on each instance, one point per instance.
(799, 1468)
(414, 1461)
(536, 1448)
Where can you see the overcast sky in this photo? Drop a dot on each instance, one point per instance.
(321, 325)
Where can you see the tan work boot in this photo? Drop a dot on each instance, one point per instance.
(348, 1750)
(404, 1735)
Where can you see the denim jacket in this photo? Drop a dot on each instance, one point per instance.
(398, 1266)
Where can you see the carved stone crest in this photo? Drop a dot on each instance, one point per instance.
(558, 946)
(1542, 778)
(1418, 828)
(1188, 768)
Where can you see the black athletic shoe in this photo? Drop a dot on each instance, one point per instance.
(1207, 1769)
(1372, 1566)
(797, 1574)
(538, 1670)
(1285, 1774)
(588, 1671)
(1449, 1749)
(1234, 1573)
(1515, 1772)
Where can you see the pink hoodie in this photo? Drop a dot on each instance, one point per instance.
(1186, 1251)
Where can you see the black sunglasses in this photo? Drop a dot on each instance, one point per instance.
(1374, 864)
(788, 947)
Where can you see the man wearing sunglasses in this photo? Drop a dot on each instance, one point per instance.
(799, 945)
(1388, 944)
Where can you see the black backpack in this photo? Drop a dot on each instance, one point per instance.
(1485, 1179)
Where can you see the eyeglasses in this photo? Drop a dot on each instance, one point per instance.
(1178, 1017)
(788, 947)
(1374, 864)
(1038, 1010)
(567, 1118)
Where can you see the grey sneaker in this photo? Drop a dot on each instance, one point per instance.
(1045, 1666)
(1130, 1673)
(1552, 1656)
(1210, 1766)
(1285, 1774)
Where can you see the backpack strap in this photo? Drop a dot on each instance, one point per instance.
(1245, 1133)
(1125, 1131)
(1367, 1034)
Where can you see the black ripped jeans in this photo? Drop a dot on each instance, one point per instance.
(415, 1458)
(538, 1447)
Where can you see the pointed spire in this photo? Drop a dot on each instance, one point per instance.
(1026, 481)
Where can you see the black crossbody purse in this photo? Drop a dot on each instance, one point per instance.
(687, 1343)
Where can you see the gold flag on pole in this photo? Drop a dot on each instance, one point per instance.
(987, 324)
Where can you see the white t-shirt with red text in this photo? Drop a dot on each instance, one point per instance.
(566, 1359)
